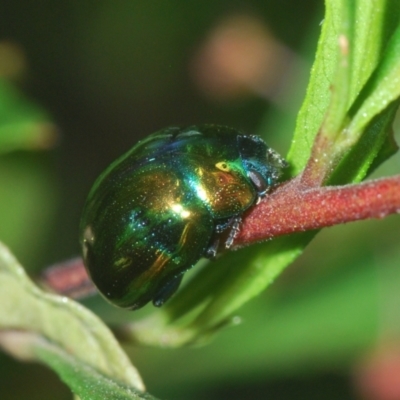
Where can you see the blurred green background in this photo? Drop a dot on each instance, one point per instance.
(81, 82)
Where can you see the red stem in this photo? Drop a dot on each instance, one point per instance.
(294, 208)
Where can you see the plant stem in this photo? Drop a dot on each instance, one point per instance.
(295, 208)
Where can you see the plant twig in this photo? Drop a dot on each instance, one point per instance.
(295, 208)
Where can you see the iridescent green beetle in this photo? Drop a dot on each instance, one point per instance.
(159, 208)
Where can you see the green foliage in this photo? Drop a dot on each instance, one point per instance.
(63, 334)
(350, 81)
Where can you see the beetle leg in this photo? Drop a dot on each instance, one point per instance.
(223, 226)
(212, 250)
(235, 228)
(233, 224)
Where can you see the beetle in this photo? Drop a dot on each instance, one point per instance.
(155, 211)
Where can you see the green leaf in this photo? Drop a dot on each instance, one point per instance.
(369, 35)
(318, 96)
(368, 135)
(228, 284)
(353, 38)
(83, 379)
(68, 336)
(383, 89)
(246, 277)
(375, 146)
